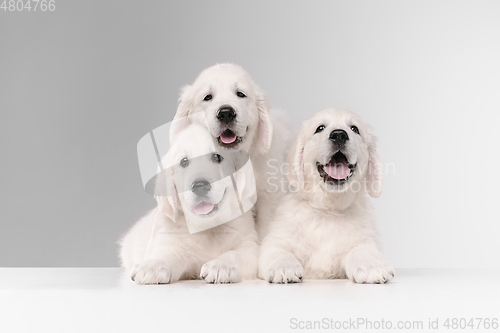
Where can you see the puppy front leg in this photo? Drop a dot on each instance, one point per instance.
(161, 266)
(279, 266)
(232, 266)
(366, 264)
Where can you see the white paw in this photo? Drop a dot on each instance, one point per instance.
(152, 272)
(285, 271)
(219, 271)
(374, 272)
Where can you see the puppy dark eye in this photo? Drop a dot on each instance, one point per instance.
(216, 158)
(240, 94)
(184, 162)
(354, 129)
(319, 129)
(208, 97)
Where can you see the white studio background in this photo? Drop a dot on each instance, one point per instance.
(80, 86)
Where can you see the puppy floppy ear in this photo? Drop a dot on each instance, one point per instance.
(265, 127)
(374, 174)
(166, 194)
(184, 109)
(295, 162)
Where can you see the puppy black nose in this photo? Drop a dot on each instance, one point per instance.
(339, 137)
(200, 187)
(226, 114)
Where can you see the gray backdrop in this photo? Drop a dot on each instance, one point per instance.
(81, 85)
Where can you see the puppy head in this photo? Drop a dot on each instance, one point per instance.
(192, 170)
(198, 176)
(336, 153)
(235, 109)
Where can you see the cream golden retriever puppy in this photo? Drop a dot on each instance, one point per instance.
(237, 114)
(325, 227)
(197, 230)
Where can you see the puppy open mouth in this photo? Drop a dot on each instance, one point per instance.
(208, 208)
(205, 208)
(337, 171)
(229, 139)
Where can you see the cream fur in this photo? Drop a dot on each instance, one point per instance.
(159, 250)
(265, 133)
(327, 231)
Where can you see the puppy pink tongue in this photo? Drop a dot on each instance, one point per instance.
(203, 208)
(337, 169)
(228, 136)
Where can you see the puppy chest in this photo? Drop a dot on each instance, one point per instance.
(322, 248)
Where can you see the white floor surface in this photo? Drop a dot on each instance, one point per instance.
(105, 300)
